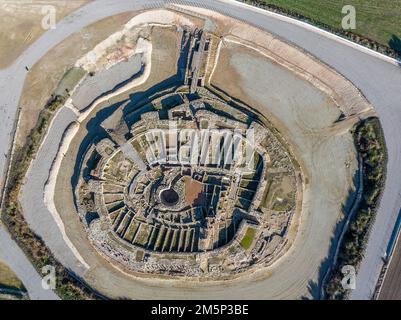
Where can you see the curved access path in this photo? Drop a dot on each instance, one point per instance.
(15, 258)
(378, 77)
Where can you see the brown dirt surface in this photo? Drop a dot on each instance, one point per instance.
(193, 191)
(20, 24)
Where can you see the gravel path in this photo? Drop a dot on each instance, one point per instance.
(32, 202)
(19, 263)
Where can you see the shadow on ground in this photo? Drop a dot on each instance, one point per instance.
(395, 44)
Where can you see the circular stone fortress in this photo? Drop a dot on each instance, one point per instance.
(197, 157)
(199, 188)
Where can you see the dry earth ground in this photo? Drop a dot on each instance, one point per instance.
(20, 24)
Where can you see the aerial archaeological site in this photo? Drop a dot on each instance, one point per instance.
(176, 152)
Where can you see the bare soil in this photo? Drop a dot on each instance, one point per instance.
(20, 24)
(193, 191)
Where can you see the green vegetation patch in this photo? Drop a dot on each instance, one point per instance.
(282, 205)
(377, 21)
(247, 241)
(69, 81)
(8, 279)
(371, 146)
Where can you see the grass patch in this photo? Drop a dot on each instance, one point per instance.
(8, 279)
(247, 241)
(283, 205)
(69, 81)
(370, 144)
(378, 21)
